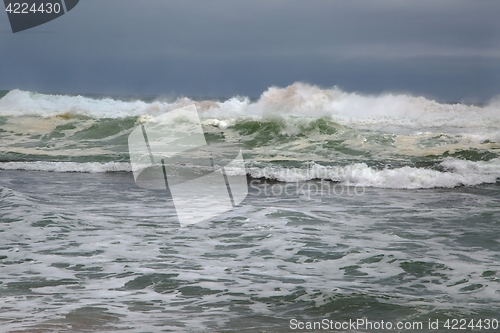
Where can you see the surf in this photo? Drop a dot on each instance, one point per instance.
(297, 133)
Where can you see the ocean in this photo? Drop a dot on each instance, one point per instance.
(365, 213)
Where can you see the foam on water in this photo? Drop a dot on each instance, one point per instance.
(85, 249)
(393, 141)
(298, 99)
(19, 103)
(102, 254)
(456, 173)
(89, 167)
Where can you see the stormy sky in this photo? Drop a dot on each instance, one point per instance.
(448, 49)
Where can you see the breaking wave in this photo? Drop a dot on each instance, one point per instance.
(297, 133)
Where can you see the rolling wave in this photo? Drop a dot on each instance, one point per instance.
(297, 133)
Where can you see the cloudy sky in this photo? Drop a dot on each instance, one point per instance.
(447, 49)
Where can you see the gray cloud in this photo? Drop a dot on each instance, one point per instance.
(448, 49)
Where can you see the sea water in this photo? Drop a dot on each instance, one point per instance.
(376, 208)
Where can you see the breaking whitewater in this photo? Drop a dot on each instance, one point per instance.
(291, 134)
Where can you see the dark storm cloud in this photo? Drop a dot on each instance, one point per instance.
(449, 49)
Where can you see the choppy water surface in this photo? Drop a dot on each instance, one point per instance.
(91, 252)
(378, 207)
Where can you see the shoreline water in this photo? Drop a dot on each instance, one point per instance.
(95, 246)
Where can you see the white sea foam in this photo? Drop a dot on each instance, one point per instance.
(265, 258)
(19, 103)
(298, 99)
(458, 172)
(268, 257)
(428, 128)
(88, 167)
